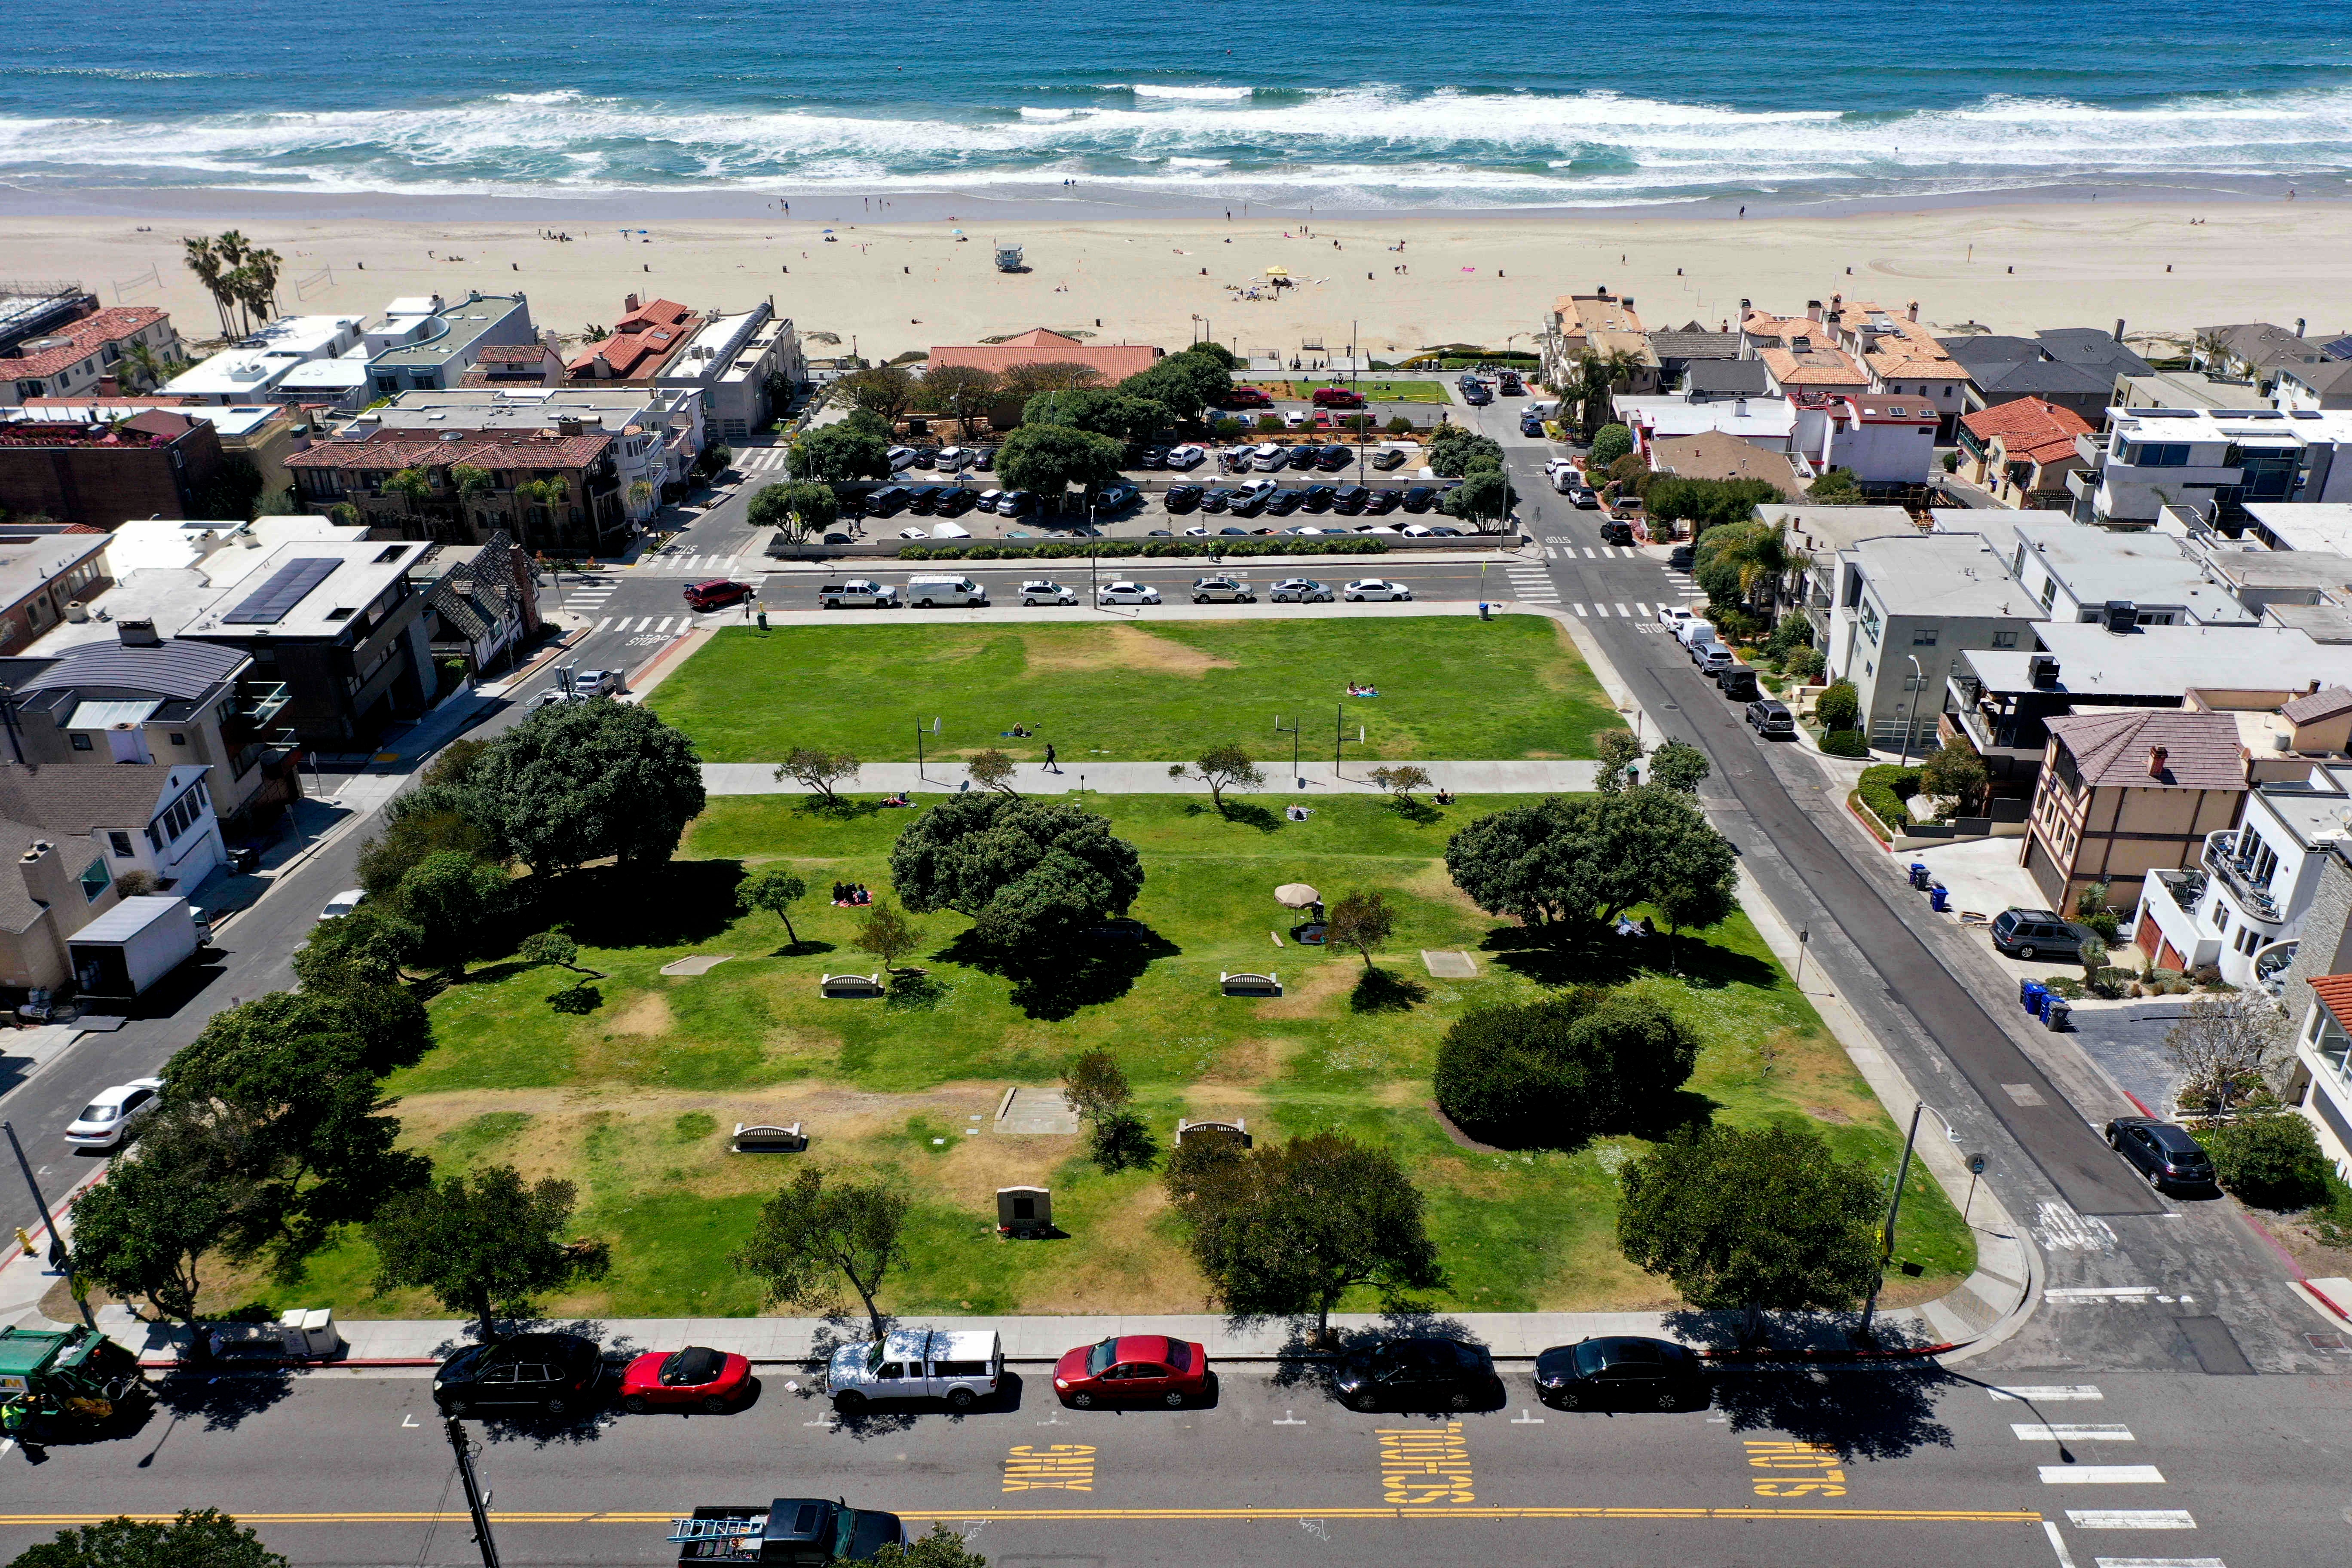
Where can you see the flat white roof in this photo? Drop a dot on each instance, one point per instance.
(2147, 568)
(1745, 417)
(233, 372)
(2261, 426)
(1941, 574)
(232, 419)
(325, 375)
(2165, 661)
(307, 337)
(2305, 526)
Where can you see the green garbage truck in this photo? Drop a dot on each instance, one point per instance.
(65, 1382)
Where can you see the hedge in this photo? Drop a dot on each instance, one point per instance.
(1886, 787)
(2273, 1162)
(1114, 549)
(1845, 743)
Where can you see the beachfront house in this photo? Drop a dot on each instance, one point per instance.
(744, 363)
(2022, 451)
(424, 341)
(2253, 352)
(2213, 462)
(88, 356)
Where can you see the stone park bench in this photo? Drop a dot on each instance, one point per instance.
(851, 985)
(1235, 1131)
(1251, 985)
(767, 1138)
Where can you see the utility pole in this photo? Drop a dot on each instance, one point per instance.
(57, 1253)
(477, 1502)
(1886, 1237)
(1339, 737)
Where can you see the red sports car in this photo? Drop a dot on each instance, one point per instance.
(1133, 1367)
(690, 1379)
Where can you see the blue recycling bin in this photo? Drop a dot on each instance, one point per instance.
(1939, 898)
(2034, 993)
(1919, 875)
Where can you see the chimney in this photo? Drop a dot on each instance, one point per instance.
(630, 303)
(2156, 755)
(137, 634)
(1813, 308)
(2119, 329)
(1746, 306)
(1911, 312)
(2310, 689)
(2299, 326)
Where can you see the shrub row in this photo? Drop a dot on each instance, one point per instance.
(1885, 788)
(1845, 743)
(1116, 549)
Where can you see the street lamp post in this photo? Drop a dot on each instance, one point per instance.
(1913, 689)
(57, 1253)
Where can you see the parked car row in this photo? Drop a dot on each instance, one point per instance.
(1267, 495)
(942, 459)
(1272, 458)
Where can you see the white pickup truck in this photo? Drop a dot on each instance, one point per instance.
(858, 593)
(959, 1366)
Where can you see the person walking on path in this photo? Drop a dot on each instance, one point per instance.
(1051, 765)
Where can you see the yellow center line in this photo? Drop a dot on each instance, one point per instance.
(1738, 1515)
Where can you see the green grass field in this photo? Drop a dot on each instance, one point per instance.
(634, 1100)
(1451, 687)
(1381, 389)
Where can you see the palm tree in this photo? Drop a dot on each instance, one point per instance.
(641, 496)
(231, 249)
(469, 481)
(260, 290)
(204, 261)
(548, 494)
(414, 485)
(149, 367)
(1599, 375)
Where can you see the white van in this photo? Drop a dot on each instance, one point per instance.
(961, 1367)
(926, 593)
(1693, 632)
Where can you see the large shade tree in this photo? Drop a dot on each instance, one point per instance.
(1578, 860)
(1031, 875)
(580, 781)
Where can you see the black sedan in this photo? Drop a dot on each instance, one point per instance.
(1421, 497)
(1319, 496)
(2166, 1154)
(558, 1374)
(1419, 1373)
(1378, 504)
(1305, 456)
(1217, 499)
(1619, 1372)
(1181, 498)
(1282, 503)
(1334, 458)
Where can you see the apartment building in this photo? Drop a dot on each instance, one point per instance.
(91, 356)
(1903, 609)
(425, 342)
(249, 372)
(161, 463)
(744, 365)
(2214, 462)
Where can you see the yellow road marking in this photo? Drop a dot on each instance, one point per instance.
(1737, 1515)
(1057, 1467)
(1424, 1465)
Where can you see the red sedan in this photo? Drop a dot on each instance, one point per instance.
(1133, 1367)
(690, 1379)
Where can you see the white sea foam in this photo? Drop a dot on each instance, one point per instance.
(1421, 147)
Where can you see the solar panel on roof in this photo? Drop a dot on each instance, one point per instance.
(268, 604)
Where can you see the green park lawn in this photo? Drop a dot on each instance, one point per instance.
(634, 1100)
(1452, 687)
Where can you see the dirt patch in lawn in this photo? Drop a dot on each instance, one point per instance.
(1122, 647)
(1250, 1061)
(648, 1014)
(1305, 991)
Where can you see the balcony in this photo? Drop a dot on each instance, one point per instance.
(2221, 859)
(258, 703)
(2081, 482)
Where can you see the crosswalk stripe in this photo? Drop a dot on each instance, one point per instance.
(2101, 1475)
(1623, 611)
(602, 624)
(2042, 1393)
(1640, 609)
(2042, 1432)
(664, 626)
(1577, 608)
(2131, 1519)
(2159, 1563)
(1588, 553)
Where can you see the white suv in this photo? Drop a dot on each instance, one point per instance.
(1127, 593)
(1045, 591)
(961, 1366)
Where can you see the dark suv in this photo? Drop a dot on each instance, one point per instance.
(1418, 1373)
(554, 1372)
(2037, 933)
(2166, 1154)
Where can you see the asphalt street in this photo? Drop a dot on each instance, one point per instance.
(1826, 1467)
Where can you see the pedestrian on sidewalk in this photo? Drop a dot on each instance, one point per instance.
(1051, 766)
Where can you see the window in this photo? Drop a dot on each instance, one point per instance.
(81, 743)
(120, 842)
(2153, 454)
(178, 739)
(96, 879)
(2004, 639)
(1924, 637)
(2049, 591)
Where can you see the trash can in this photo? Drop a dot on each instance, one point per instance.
(2055, 1013)
(1939, 898)
(2034, 993)
(1919, 875)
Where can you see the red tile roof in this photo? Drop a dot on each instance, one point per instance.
(2313, 706)
(511, 354)
(2334, 994)
(1039, 345)
(89, 335)
(484, 450)
(2111, 748)
(630, 355)
(2030, 429)
(658, 313)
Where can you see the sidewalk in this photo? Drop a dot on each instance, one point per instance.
(786, 1342)
(1151, 778)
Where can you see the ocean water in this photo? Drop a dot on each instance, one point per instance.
(1379, 104)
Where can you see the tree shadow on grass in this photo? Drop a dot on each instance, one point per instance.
(1419, 813)
(1561, 955)
(1385, 991)
(1053, 986)
(669, 905)
(805, 947)
(1247, 814)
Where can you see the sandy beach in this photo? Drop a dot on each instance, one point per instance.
(893, 287)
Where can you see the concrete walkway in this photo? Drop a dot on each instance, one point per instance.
(1151, 778)
(784, 1341)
